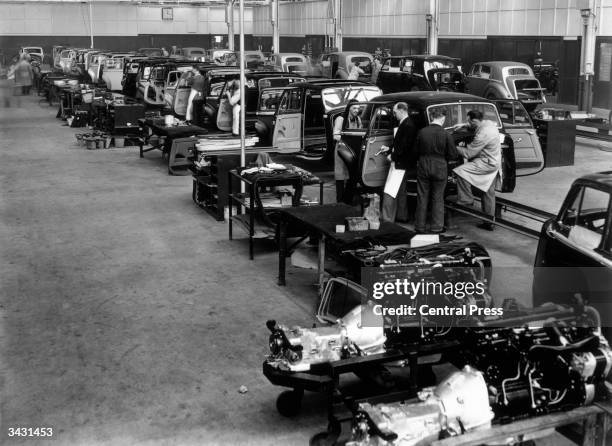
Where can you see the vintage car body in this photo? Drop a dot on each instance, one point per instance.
(67, 61)
(256, 82)
(253, 60)
(151, 52)
(178, 87)
(420, 72)
(574, 254)
(299, 119)
(216, 55)
(96, 66)
(519, 126)
(131, 66)
(338, 65)
(57, 51)
(289, 62)
(194, 53)
(152, 77)
(505, 80)
(112, 70)
(360, 149)
(35, 52)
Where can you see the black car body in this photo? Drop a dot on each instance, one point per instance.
(152, 77)
(420, 72)
(361, 148)
(574, 255)
(218, 109)
(299, 118)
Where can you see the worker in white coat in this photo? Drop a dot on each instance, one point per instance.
(233, 96)
(483, 166)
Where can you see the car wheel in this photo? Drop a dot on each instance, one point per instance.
(491, 96)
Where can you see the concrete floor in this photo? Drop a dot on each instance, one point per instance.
(126, 315)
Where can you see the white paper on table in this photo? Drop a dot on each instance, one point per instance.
(394, 180)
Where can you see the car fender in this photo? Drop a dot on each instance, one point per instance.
(496, 90)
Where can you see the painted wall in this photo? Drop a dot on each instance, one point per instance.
(457, 18)
(112, 19)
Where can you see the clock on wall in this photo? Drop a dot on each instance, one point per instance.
(167, 14)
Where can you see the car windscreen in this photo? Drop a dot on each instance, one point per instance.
(334, 97)
(456, 113)
(438, 64)
(294, 59)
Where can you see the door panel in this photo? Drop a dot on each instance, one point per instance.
(224, 116)
(288, 133)
(181, 97)
(375, 165)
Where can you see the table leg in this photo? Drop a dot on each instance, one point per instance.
(321, 263)
(282, 251)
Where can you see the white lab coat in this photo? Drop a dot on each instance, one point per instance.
(234, 101)
(484, 157)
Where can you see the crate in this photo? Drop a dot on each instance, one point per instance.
(357, 223)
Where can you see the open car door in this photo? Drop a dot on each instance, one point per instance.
(374, 164)
(181, 93)
(518, 125)
(287, 135)
(172, 81)
(224, 114)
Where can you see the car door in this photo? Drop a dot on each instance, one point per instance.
(224, 112)
(287, 136)
(375, 164)
(574, 253)
(268, 102)
(314, 123)
(518, 125)
(181, 93)
(171, 85)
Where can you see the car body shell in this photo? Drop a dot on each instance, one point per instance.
(35, 52)
(217, 55)
(505, 80)
(338, 65)
(218, 109)
(151, 52)
(361, 149)
(299, 119)
(96, 66)
(111, 72)
(420, 72)
(194, 53)
(152, 77)
(574, 255)
(290, 62)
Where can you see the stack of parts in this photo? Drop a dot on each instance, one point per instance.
(215, 144)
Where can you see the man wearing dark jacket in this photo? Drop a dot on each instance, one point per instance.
(434, 148)
(403, 163)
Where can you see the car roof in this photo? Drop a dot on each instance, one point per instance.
(320, 84)
(597, 179)
(502, 63)
(426, 98)
(424, 57)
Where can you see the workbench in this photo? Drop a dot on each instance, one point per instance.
(176, 142)
(251, 199)
(321, 221)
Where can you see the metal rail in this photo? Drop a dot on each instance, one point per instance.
(504, 206)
